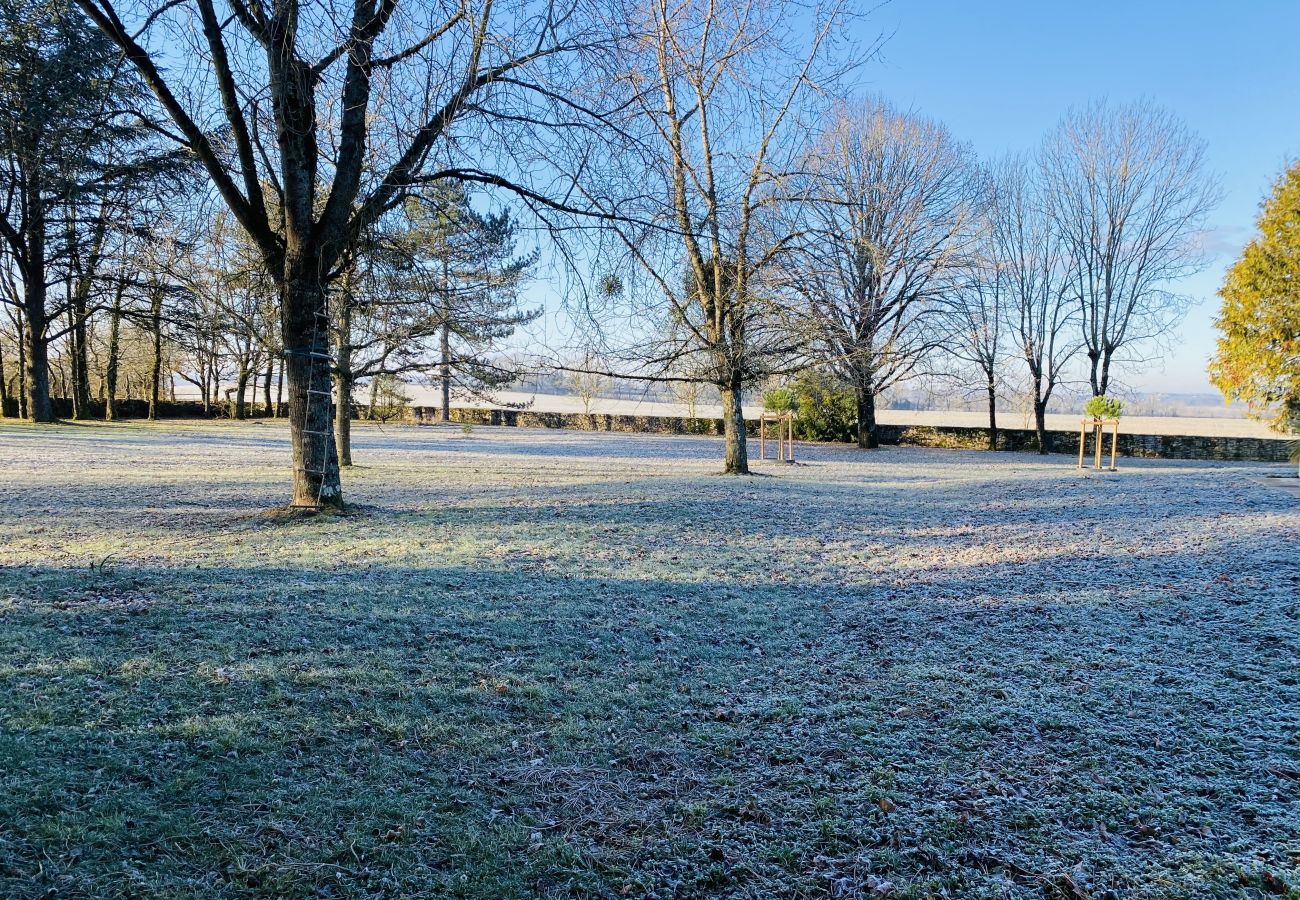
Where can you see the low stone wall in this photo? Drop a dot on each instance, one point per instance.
(524, 418)
(1156, 446)
(1152, 446)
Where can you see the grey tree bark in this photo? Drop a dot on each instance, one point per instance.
(111, 367)
(343, 385)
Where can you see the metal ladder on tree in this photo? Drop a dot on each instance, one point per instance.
(317, 356)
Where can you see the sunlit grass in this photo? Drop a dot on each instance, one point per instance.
(546, 664)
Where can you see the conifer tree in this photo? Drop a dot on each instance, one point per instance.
(1258, 355)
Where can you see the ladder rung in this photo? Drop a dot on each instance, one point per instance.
(321, 393)
(318, 433)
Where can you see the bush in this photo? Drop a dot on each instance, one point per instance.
(1103, 408)
(825, 408)
(390, 402)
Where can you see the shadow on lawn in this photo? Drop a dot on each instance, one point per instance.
(492, 732)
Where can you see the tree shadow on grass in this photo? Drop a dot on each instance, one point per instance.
(489, 732)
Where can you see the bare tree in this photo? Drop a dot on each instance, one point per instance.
(890, 213)
(976, 314)
(1129, 190)
(724, 100)
(586, 379)
(1028, 256)
(313, 120)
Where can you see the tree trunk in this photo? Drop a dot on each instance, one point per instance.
(733, 429)
(1094, 372)
(993, 416)
(39, 407)
(266, 388)
(446, 372)
(155, 367)
(279, 390)
(110, 369)
(4, 384)
(214, 380)
(79, 364)
(1040, 427)
(374, 391)
(22, 366)
(868, 433)
(304, 326)
(343, 382)
(241, 392)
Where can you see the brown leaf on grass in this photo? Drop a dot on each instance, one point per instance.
(1069, 888)
(1273, 884)
(886, 804)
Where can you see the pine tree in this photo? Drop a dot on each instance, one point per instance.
(464, 261)
(1258, 355)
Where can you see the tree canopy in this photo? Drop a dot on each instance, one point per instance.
(1258, 355)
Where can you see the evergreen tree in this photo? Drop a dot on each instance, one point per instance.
(465, 263)
(71, 143)
(1258, 356)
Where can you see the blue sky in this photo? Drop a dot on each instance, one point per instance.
(1000, 74)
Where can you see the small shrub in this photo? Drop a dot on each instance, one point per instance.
(825, 408)
(1103, 408)
(390, 403)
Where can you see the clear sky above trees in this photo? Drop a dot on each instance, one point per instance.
(1000, 75)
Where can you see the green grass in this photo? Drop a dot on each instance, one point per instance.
(550, 664)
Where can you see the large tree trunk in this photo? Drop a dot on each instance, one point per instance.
(993, 416)
(39, 407)
(736, 461)
(305, 330)
(868, 433)
(343, 383)
(110, 369)
(445, 372)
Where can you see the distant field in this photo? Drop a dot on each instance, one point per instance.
(1207, 426)
(543, 663)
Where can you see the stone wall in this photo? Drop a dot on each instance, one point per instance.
(1156, 446)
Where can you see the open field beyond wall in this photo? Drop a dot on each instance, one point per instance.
(1203, 426)
(555, 663)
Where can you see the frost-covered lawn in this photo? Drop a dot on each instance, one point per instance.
(563, 663)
